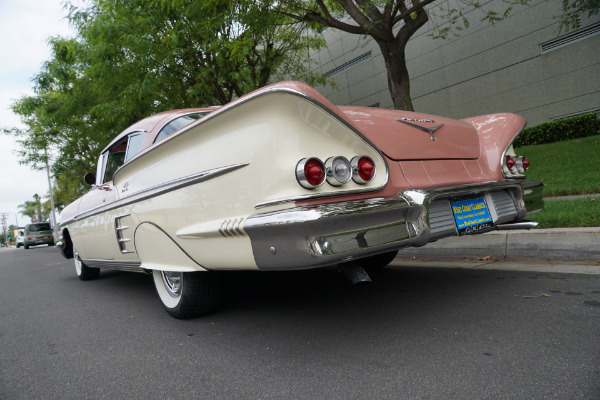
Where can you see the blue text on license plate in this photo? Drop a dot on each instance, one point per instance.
(471, 213)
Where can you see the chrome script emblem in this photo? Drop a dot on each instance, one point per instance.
(431, 130)
(416, 119)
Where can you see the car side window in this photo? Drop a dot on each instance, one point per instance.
(134, 144)
(116, 158)
(177, 124)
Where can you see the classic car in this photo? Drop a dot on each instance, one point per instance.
(281, 179)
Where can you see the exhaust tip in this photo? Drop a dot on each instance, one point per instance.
(355, 273)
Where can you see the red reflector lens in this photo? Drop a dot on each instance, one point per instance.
(314, 172)
(366, 168)
(510, 163)
(525, 164)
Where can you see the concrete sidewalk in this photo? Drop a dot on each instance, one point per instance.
(549, 244)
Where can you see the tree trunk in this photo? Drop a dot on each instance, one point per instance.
(397, 74)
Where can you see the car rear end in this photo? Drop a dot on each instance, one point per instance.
(38, 234)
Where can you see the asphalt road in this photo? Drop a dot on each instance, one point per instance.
(415, 333)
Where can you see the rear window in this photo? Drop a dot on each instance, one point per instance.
(177, 124)
(39, 227)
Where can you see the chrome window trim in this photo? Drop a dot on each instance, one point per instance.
(157, 190)
(101, 167)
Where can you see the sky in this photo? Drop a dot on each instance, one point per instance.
(25, 26)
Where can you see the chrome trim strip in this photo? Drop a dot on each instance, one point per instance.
(517, 225)
(252, 96)
(114, 264)
(157, 190)
(306, 197)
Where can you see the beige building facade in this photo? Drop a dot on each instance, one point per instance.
(519, 65)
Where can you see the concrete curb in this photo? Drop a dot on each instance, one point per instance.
(563, 243)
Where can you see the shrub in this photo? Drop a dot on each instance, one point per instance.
(560, 130)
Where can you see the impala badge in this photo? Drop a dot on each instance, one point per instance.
(431, 130)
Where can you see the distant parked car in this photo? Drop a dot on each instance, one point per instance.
(20, 240)
(38, 233)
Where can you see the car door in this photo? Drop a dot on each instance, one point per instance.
(99, 238)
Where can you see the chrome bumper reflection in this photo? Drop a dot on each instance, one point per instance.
(308, 237)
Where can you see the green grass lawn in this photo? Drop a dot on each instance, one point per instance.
(571, 167)
(569, 213)
(567, 168)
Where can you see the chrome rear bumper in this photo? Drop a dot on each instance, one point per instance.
(309, 237)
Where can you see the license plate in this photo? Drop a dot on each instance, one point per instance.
(471, 216)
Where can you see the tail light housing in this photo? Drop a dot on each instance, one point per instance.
(310, 172)
(339, 170)
(363, 169)
(517, 164)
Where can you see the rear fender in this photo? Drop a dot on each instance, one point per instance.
(157, 250)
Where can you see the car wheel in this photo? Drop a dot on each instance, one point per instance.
(378, 261)
(84, 272)
(26, 247)
(186, 294)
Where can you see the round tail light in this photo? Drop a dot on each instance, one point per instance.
(510, 164)
(525, 164)
(310, 172)
(339, 170)
(363, 169)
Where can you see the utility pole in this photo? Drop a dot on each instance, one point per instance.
(53, 213)
(5, 228)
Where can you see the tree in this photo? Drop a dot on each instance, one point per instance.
(33, 209)
(134, 58)
(573, 10)
(391, 23)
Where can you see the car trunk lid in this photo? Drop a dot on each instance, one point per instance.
(403, 135)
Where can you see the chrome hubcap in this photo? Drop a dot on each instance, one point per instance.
(172, 281)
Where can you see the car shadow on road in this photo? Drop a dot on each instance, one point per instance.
(396, 292)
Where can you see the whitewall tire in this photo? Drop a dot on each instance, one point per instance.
(186, 294)
(84, 272)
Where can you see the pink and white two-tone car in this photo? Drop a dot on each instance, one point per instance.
(281, 179)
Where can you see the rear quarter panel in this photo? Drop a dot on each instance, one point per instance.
(266, 136)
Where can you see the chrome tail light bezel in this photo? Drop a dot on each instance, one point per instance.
(301, 172)
(355, 170)
(330, 167)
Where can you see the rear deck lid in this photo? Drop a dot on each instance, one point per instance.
(403, 135)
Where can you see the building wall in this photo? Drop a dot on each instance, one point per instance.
(487, 69)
